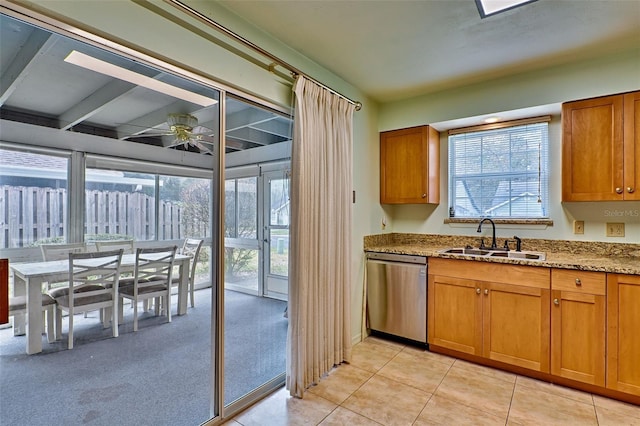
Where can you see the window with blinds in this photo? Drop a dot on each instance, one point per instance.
(501, 173)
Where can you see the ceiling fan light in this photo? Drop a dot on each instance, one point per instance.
(182, 120)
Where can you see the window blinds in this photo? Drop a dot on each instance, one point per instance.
(500, 173)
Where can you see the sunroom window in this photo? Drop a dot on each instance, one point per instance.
(500, 173)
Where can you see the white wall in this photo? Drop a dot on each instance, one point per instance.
(612, 74)
(141, 29)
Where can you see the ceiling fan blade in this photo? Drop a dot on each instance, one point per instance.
(202, 147)
(149, 135)
(176, 143)
(203, 130)
(205, 138)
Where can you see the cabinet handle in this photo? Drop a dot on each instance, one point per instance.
(486, 291)
(578, 282)
(424, 195)
(556, 302)
(478, 290)
(618, 190)
(630, 190)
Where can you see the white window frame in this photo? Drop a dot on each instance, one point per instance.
(475, 137)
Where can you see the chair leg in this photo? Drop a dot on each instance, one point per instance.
(167, 301)
(105, 316)
(191, 290)
(135, 316)
(114, 320)
(70, 333)
(51, 334)
(121, 311)
(58, 324)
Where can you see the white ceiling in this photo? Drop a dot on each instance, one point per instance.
(395, 49)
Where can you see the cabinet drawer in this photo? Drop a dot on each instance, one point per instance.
(579, 281)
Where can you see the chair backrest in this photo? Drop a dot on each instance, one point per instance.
(154, 265)
(61, 251)
(92, 274)
(126, 245)
(191, 247)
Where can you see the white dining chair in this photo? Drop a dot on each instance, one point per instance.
(126, 245)
(93, 284)
(151, 280)
(191, 247)
(61, 251)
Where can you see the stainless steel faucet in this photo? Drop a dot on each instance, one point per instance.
(494, 244)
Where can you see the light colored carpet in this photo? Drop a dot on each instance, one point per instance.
(160, 375)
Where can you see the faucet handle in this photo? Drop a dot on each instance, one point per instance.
(482, 243)
(518, 243)
(506, 244)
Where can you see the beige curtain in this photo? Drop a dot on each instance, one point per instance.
(320, 245)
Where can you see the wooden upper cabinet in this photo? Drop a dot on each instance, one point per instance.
(410, 166)
(600, 148)
(632, 146)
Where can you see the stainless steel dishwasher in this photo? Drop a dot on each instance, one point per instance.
(397, 295)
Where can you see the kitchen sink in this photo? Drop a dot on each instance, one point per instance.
(482, 252)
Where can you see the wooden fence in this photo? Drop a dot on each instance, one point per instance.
(29, 214)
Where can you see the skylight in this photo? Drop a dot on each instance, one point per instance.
(106, 68)
(491, 7)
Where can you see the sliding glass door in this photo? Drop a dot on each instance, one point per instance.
(256, 257)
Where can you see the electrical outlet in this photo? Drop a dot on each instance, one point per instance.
(615, 229)
(578, 226)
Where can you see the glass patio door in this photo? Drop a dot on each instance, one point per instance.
(276, 234)
(242, 248)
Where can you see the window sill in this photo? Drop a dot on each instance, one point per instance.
(499, 221)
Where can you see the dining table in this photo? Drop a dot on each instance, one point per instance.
(28, 278)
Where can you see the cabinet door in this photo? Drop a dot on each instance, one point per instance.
(516, 325)
(455, 314)
(632, 146)
(623, 333)
(409, 166)
(578, 336)
(592, 149)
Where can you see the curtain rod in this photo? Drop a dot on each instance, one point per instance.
(194, 13)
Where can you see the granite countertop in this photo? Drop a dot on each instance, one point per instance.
(584, 256)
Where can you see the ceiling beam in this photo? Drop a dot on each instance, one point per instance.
(246, 117)
(255, 136)
(276, 126)
(38, 43)
(94, 103)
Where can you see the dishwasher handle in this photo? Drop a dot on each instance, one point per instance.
(400, 258)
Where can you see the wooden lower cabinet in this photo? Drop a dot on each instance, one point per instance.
(455, 313)
(623, 333)
(516, 325)
(503, 317)
(578, 315)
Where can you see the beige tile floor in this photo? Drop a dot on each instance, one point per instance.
(388, 383)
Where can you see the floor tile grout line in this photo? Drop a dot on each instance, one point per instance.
(464, 404)
(462, 361)
(513, 392)
(360, 414)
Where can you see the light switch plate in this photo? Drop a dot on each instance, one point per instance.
(615, 229)
(578, 226)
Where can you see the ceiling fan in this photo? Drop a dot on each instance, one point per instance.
(185, 129)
